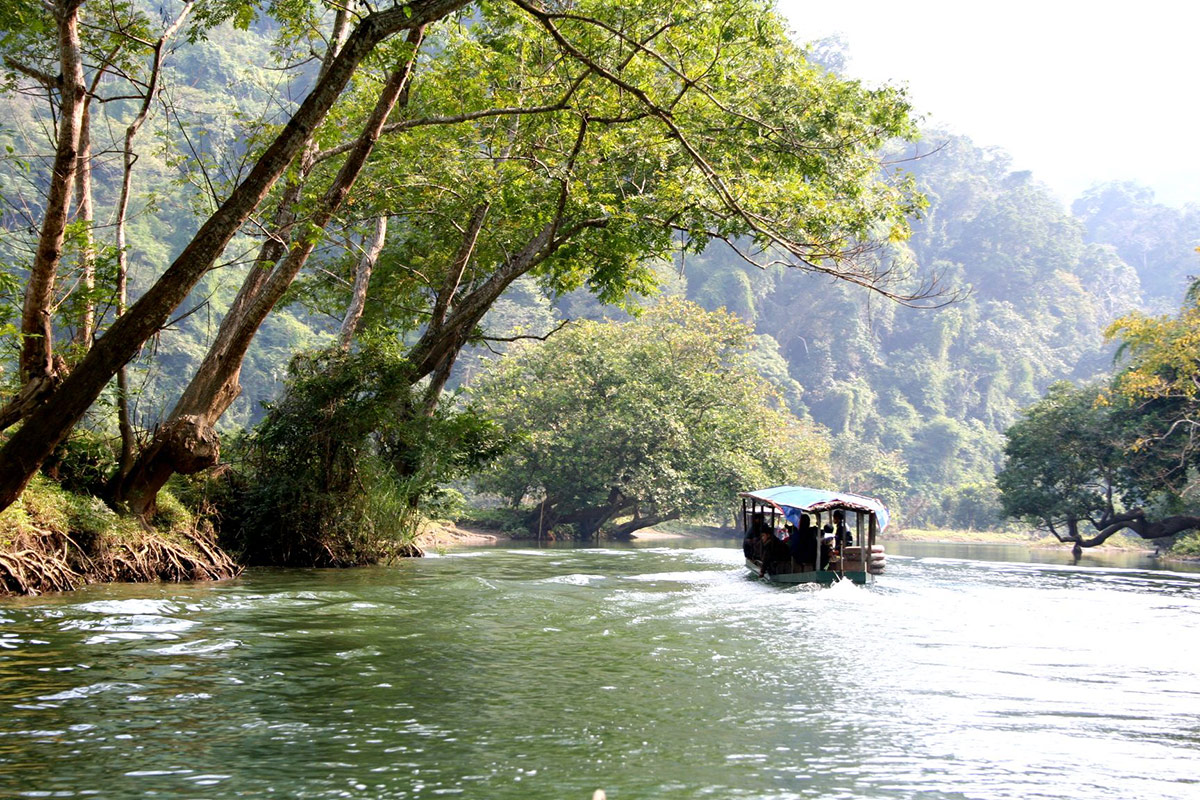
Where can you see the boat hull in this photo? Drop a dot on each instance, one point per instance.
(821, 577)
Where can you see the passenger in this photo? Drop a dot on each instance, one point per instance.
(841, 531)
(775, 554)
(751, 547)
(803, 543)
(828, 548)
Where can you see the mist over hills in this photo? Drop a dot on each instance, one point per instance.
(915, 400)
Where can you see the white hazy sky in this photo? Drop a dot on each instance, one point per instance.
(1077, 92)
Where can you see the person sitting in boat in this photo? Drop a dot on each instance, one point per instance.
(841, 531)
(749, 546)
(775, 554)
(828, 548)
(752, 544)
(803, 543)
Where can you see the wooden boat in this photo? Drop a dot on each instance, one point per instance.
(812, 553)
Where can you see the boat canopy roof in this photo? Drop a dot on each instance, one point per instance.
(796, 500)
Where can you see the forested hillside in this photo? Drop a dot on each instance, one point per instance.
(192, 145)
(770, 186)
(917, 400)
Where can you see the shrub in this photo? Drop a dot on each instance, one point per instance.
(342, 468)
(1187, 545)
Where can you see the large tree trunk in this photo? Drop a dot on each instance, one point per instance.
(29, 447)
(626, 529)
(589, 521)
(215, 385)
(39, 372)
(1134, 521)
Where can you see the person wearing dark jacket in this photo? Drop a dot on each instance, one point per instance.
(803, 543)
(774, 553)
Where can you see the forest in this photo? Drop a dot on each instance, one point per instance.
(282, 281)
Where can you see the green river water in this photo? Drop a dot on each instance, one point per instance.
(660, 671)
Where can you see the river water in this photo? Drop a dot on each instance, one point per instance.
(659, 671)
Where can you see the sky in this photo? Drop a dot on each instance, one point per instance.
(1078, 92)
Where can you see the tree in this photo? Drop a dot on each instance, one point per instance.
(336, 475)
(626, 425)
(582, 146)
(1072, 463)
(186, 443)
(49, 423)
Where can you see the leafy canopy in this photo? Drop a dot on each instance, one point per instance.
(657, 418)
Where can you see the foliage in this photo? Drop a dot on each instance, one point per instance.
(588, 140)
(1062, 463)
(1187, 546)
(714, 127)
(339, 465)
(84, 462)
(1078, 459)
(657, 418)
(1161, 355)
(918, 401)
(973, 506)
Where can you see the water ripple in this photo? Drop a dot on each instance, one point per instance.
(653, 672)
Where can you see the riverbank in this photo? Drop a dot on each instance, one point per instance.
(1035, 539)
(54, 541)
(442, 535)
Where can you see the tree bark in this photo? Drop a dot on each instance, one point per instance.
(128, 159)
(215, 386)
(362, 280)
(440, 373)
(85, 213)
(625, 530)
(37, 364)
(1136, 522)
(590, 520)
(29, 447)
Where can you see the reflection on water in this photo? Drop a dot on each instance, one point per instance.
(1102, 558)
(658, 671)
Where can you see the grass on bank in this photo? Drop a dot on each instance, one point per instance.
(55, 540)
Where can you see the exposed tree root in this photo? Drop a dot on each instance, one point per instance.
(50, 562)
(40, 566)
(156, 557)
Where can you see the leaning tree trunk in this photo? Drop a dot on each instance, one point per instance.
(188, 442)
(1134, 521)
(626, 529)
(269, 254)
(49, 424)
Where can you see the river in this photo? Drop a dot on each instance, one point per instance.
(659, 671)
